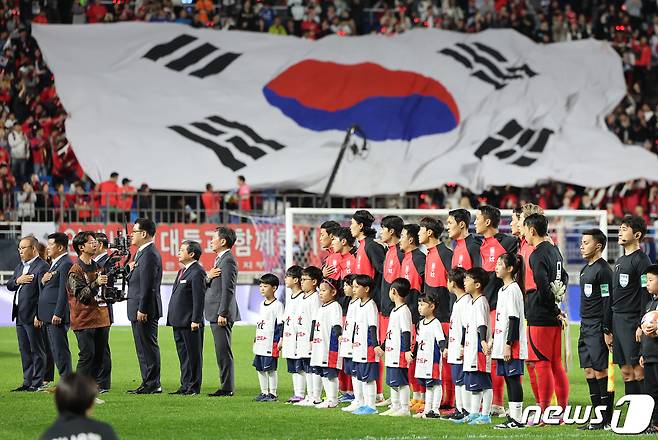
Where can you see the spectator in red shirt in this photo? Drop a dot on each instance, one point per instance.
(311, 25)
(7, 184)
(95, 12)
(37, 146)
(126, 195)
(109, 201)
(244, 195)
(41, 18)
(211, 204)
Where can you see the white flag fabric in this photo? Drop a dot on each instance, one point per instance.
(178, 107)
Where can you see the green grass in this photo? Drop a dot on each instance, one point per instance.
(26, 415)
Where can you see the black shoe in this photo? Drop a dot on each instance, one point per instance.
(20, 389)
(32, 389)
(457, 415)
(103, 390)
(510, 423)
(149, 391)
(135, 391)
(178, 391)
(190, 393)
(431, 415)
(221, 393)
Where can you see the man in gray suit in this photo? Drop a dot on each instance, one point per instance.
(145, 305)
(221, 308)
(53, 308)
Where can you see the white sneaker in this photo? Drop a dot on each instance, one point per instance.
(389, 412)
(327, 404)
(352, 407)
(383, 402)
(99, 401)
(420, 415)
(401, 413)
(498, 411)
(305, 402)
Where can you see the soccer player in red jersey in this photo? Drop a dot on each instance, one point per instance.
(466, 253)
(437, 264)
(330, 264)
(390, 236)
(369, 261)
(413, 270)
(494, 244)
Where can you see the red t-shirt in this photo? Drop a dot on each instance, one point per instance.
(211, 202)
(108, 190)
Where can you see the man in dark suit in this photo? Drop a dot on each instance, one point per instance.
(145, 305)
(25, 282)
(221, 308)
(104, 378)
(186, 317)
(53, 308)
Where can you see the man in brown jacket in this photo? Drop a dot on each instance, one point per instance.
(90, 320)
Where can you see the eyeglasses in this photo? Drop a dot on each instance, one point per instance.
(137, 230)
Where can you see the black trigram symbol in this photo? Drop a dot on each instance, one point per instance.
(234, 143)
(487, 64)
(192, 56)
(528, 147)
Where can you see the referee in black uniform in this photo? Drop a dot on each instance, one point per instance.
(595, 316)
(629, 299)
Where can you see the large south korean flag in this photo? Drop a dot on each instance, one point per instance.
(179, 107)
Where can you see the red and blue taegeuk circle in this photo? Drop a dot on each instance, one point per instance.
(386, 104)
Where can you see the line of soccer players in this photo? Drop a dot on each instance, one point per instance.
(452, 328)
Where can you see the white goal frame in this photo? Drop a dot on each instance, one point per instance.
(551, 213)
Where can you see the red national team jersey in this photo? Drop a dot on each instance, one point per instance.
(490, 251)
(363, 264)
(526, 250)
(392, 264)
(347, 265)
(334, 259)
(467, 253)
(436, 274)
(413, 268)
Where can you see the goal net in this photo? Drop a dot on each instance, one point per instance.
(565, 228)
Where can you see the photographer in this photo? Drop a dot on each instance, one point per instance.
(90, 322)
(104, 378)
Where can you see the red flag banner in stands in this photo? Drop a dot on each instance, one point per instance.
(177, 108)
(257, 248)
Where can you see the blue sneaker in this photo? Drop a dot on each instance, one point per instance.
(484, 419)
(468, 419)
(346, 398)
(365, 410)
(261, 397)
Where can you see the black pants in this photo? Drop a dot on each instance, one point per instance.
(189, 346)
(104, 379)
(148, 353)
(59, 346)
(49, 372)
(224, 354)
(33, 353)
(91, 343)
(651, 387)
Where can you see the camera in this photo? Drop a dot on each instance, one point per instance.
(117, 270)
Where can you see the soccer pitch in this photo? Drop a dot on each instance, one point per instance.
(26, 415)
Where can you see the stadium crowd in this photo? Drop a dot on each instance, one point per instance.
(39, 170)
